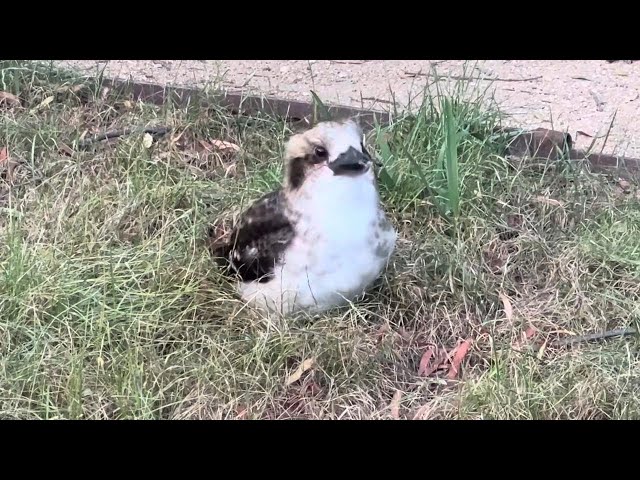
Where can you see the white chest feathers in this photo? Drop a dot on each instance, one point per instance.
(342, 243)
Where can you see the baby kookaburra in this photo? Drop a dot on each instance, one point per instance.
(321, 239)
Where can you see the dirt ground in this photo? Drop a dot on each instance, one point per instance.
(580, 97)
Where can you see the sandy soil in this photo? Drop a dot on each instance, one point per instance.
(580, 97)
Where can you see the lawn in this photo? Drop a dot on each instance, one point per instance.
(111, 306)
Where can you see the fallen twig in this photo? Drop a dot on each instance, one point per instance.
(620, 332)
(374, 99)
(465, 78)
(156, 131)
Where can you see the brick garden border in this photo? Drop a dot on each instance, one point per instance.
(539, 143)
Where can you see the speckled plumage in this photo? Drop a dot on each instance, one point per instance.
(259, 239)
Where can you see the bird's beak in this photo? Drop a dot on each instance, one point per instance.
(351, 161)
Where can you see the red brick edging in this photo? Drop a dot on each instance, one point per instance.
(538, 143)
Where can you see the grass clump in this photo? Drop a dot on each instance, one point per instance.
(111, 308)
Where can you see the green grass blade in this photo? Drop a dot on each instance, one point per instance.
(385, 175)
(452, 139)
(320, 111)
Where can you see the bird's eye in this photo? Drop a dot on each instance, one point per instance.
(321, 152)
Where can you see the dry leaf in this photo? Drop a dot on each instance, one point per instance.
(624, 185)
(220, 145)
(461, 352)
(68, 88)
(395, 405)
(528, 333)
(4, 156)
(304, 366)
(45, 102)
(432, 360)
(147, 140)
(508, 308)
(9, 99)
(426, 367)
(548, 201)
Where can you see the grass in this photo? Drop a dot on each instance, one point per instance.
(111, 307)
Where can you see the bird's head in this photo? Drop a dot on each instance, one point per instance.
(329, 149)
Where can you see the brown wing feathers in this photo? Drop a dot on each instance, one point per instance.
(259, 239)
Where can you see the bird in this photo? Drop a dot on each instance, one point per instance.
(320, 239)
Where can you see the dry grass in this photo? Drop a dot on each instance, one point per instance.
(111, 308)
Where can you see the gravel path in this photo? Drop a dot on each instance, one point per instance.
(577, 96)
